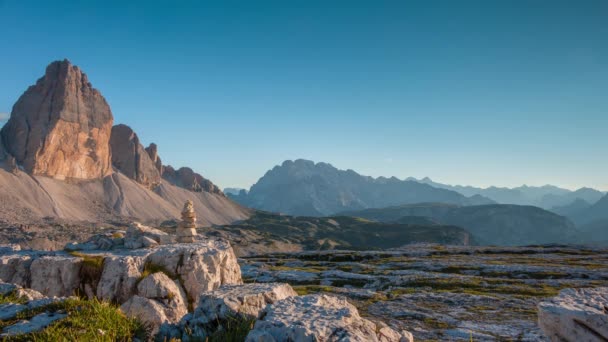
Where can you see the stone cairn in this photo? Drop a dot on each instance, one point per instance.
(186, 230)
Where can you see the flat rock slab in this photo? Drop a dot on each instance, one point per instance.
(576, 315)
(10, 310)
(37, 323)
(247, 299)
(318, 318)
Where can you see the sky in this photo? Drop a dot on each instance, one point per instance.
(465, 92)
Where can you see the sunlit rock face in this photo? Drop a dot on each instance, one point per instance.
(60, 127)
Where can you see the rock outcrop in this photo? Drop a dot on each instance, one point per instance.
(319, 318)
(575, 315)
(188, 179)
(60, 127)
(130, 157)
(114, 275)
(152, 150)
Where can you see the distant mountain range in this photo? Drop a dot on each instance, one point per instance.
(305, 188)
(495, 224)
(547, 196)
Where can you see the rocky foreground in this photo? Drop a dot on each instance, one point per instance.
(194, 291)
(450, 293)
(183, 291)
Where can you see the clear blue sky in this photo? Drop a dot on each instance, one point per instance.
(465, 92)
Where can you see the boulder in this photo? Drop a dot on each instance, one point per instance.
(575, 315)
(232, 300)
(60, 127)
(119, 278)
(202, 266)
(130, 157)
(56, 275)
(317, 318)
(160, 287)
(146, 310)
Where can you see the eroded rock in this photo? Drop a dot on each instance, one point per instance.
(247, 299)
(130, 157)
(317, 318)
(576, 315)
(160, 287)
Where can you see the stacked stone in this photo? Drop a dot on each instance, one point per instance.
(186, 230)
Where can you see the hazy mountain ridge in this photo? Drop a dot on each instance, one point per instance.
(546, 196)
(302, 187)
(497, 224)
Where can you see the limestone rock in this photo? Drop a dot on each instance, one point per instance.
(130, 157)
(186, 178)
(247, 299)
(160, 287)
(146, 310)
(15, 269)
(60, 127)
(119, 278)
(575, 315)
(37, 323)
(56, 275)
(202, 266)
(317, 318)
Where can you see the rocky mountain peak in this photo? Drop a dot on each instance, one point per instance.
(60, 127)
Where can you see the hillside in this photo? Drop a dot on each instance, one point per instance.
(267, 232)
(302, 187)
(490, 224)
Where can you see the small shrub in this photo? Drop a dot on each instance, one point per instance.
(151, 268)
(234, 329)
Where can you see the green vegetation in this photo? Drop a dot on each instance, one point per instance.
(151, 268)
(90, 272)
(487, 287)
(303, 290)
(87, 320)
(12, 298)
(234, 329)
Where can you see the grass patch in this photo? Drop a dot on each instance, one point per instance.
(313, 269)
(88, 320)
(436, 324)
(308, 289)
(90, 271)
(151, 268)
(479, 286)
(234, 329)
(12, 297)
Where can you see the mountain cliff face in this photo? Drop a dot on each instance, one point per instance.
(495, 224)
(130, 157)
(60, 127)
(302, 187)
